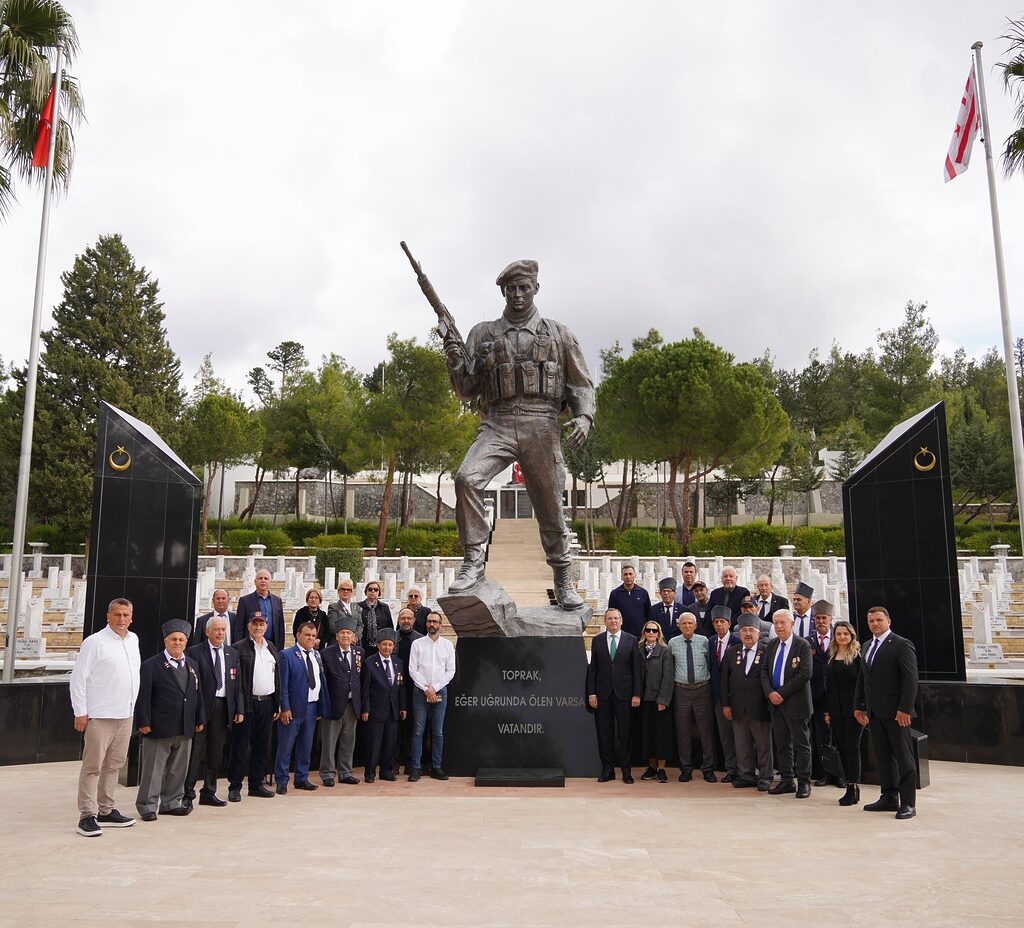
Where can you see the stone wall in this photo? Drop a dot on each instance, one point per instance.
(277, 498)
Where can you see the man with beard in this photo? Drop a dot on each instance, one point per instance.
(407, 634)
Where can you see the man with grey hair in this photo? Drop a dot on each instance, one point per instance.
(691, 702)
(744, 704)
(766, 601)
(729, 593)
(104, 688)
(524, 370)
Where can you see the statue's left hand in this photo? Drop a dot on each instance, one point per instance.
(576, 432)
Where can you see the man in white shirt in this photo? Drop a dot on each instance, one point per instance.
(431, 666)
(104, 688)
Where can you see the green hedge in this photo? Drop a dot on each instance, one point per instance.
(238, 540)
(341, 559)
(335, 541)
(981, 542)
(645, 542)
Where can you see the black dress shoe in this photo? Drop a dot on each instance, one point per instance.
(649, 774)
(306, 785)
(234, 795)
(906, 812)
(438, 774)
(186, 804)
(606, 778)
(349, 780)
(783, 786)
(327, 781)
(211, 801)
(743, 784)
(390, 777)
(882, 804)
(282, 789)
(414, 774)
(148, 816)
(181, 810)
(261, 791)
(730, 778)
(821, 781)
(685, 776)
(628, 778)
(709, 776)
(369, 778)
(803, 790)
(764, 786)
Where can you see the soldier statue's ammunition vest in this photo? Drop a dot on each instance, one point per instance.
(538, 374)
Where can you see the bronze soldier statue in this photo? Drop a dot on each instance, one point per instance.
(524, 371)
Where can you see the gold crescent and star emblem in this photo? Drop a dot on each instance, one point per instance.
(925, 460)
(124, 459)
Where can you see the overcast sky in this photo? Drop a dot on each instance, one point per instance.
(770, 172)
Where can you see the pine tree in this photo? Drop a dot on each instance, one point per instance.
(108, 342)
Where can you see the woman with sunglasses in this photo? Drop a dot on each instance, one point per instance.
(655, 719)
(420, 609)
(840, 685)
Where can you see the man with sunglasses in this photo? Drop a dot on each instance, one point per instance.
(376, 617)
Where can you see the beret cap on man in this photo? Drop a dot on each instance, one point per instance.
(347, 623)
(522, 268)
(823, 607)
(802, 589)
(748, 621)
(176, 625)
(386, 634)
(667, 583)
(721, 612)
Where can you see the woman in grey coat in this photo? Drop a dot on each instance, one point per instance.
(655, 720)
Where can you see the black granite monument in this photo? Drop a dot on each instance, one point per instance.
(144, 539)
(900, 545)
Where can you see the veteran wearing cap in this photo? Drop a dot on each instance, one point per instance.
(525, 371)
(667, 612)
(821, 641)
(745, 705)
(168, 713)
(803, 622)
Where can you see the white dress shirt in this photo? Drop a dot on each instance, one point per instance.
(751, 654)
(874, 647)
(432, 662)
(314, 691)
(802, 625)
(262, 670)
(784, 648)
(105, 678)
(217, 657)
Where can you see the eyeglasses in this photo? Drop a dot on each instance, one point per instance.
(650, 631)
(414, 596)
(373, 589)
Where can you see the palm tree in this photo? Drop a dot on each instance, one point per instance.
(30, 33)
(1013, 81)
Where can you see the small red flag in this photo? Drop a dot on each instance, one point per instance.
(41, 153)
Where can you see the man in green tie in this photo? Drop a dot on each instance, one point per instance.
(614, 685)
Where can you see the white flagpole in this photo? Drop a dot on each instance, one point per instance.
(1004, 303)
(25, 460)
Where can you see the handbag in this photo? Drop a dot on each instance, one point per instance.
(830, 759)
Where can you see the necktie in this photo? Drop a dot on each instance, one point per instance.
(719, 650)
(777, 670)
(613, 646)
(218, 676)
(690, 675)
(310, 676)
(344, 660)
(821, 638)
(746, 655)
(871, 653)
(387, 670)
(764, 609)
(800, 626)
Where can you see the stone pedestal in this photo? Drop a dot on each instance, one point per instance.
(487, 611)
(520, 703)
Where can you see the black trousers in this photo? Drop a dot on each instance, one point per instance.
(251, 741)
(208, 752)
(613, 716)
(895, 753)
(381, 746)
(847, 733)
(793, 738)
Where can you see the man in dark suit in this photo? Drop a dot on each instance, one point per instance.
(667, 612)
(786, 681)
(384, 706)
(345, 607)
(744, 704)
(304, 701)
(723, 640)
(820, 639)
(886, 691)
(343, 669)
(614, 686)
(268, 604)
(729, 594)
(220, 602)
(260, 677)
(701, 608)
(168, 713)
(223, 707)
(803, 619)
(766, 601)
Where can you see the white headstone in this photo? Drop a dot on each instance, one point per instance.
(329, 581)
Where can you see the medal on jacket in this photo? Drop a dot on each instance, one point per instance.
(231, 673)
(757, 657)
(398, 679)
(796, 662)
(359, 660)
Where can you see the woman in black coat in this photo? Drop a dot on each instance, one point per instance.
(840, 685)
(655, 720)
(312, 612)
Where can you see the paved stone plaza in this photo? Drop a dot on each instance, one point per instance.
(444, 854)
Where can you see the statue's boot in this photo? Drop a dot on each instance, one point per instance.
(471, 572)
(565, 589)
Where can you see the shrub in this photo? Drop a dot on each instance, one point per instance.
(341, 559)
(238, 540)
(58, 540)
(335, 541)
(645, 542)
(414, 542)
(300, 530)
(981, 542)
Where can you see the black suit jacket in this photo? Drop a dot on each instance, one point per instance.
(796, 685)
(774, 605)
(622, 678)
(669, 621)
(383, 700)
(742, 692)
(246, 657)
(343, 679)
(716, 668)
(889, 685)
(819, 672)
(200, 653)
(719, 597)
(162, 706)
(199, 632)
(249, 604)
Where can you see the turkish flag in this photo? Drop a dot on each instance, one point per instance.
(41, 153)
(967, 122)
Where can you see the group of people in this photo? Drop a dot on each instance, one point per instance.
(779, 687)
(224, 688)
